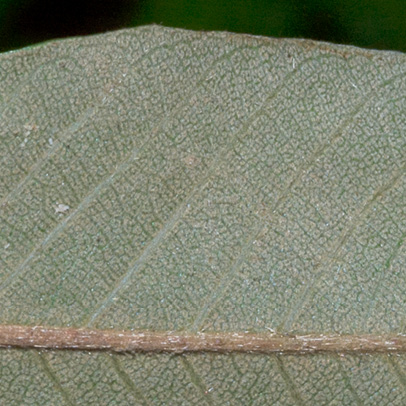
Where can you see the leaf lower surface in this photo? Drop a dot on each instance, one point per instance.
(167, 180)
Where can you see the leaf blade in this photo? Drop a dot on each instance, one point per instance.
(209, 181)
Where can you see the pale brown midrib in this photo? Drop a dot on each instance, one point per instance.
(180, 342)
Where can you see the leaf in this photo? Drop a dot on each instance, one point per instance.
(172, 181)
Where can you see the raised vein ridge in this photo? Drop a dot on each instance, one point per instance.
(182, 342)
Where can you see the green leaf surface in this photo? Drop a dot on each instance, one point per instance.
(160, 179)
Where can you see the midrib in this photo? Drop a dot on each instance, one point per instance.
(60, 338)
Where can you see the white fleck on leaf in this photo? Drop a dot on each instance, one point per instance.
(61, 208)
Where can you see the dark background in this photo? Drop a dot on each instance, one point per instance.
(379, 24)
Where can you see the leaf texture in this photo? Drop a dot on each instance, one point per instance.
(167, 180)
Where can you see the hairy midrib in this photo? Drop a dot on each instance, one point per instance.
(180, 342)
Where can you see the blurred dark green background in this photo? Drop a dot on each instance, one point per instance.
(376, 24)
